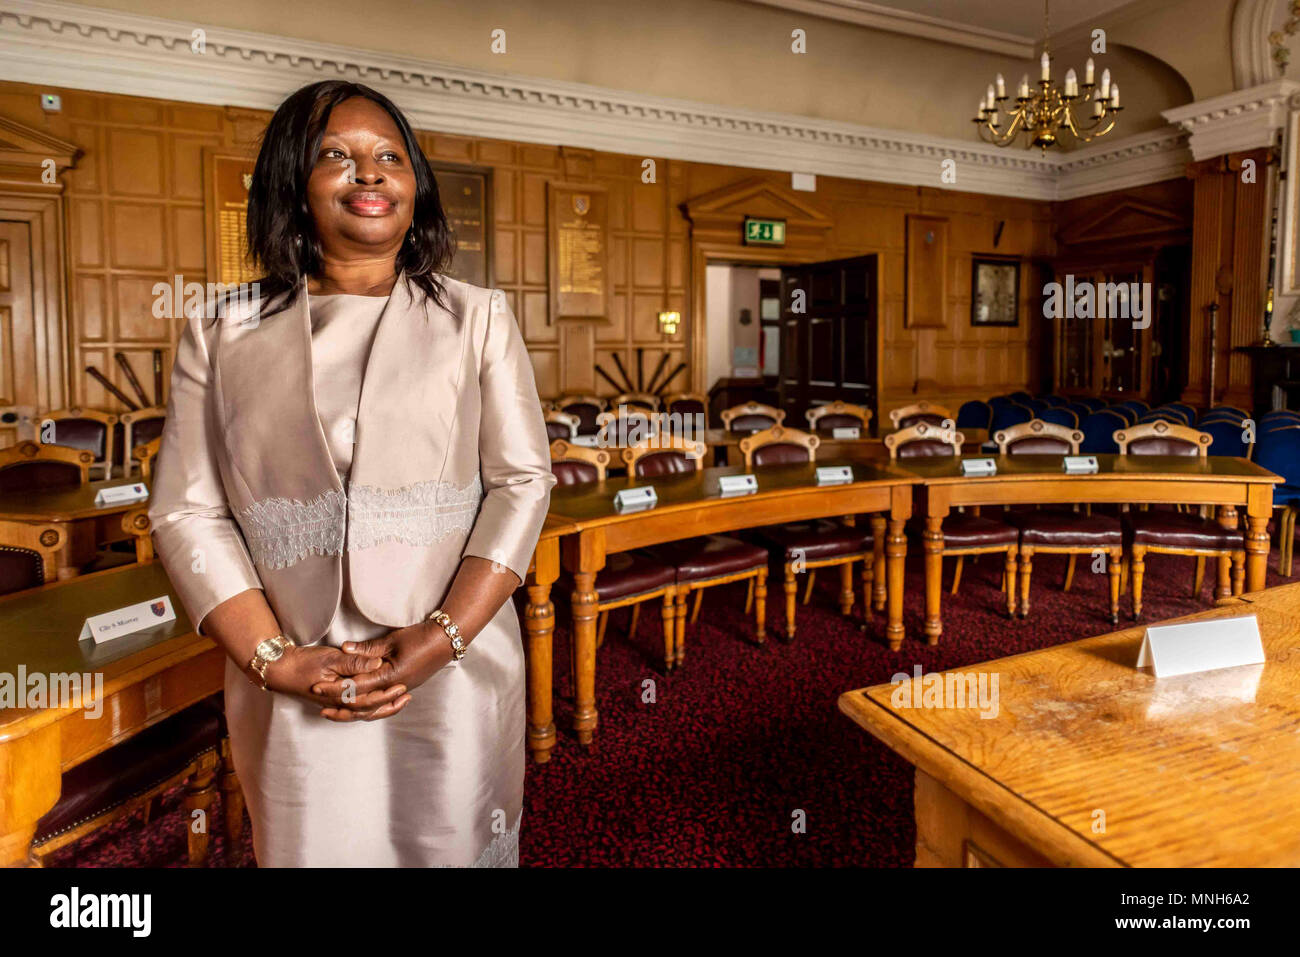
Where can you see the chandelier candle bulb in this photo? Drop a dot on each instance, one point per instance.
(1002, 86)
(1071, 83)
(1105, 84)
(1024, 87)
(1098, 105)
(1114, 96)
(1087, 73)
(989, 97)
(1046, 62)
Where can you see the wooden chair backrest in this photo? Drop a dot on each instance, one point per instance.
(28, 453)
(924, 440)
(739, 413)
(566, 419)
(800, 447)
(145, 454)
(930, 414)
(647, 399)
(1037, 436)
(136, 523)
(838, 408)
(666, 455)
(42, 542)
(1162, 438)
(76, 413)
(598, 459)
(689, 398)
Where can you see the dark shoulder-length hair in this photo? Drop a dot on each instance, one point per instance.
(281, 235)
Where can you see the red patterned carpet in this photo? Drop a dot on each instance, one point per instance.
(712, 769)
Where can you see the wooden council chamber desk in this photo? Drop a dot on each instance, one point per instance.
(1198, 770)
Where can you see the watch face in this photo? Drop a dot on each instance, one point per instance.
(269, 650)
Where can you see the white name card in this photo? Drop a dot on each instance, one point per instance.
(848, 432)
(1079, 464)
(1201, 646)
(633, 499)
(128, 620)
(590, 441)
(979, 467)
(121, 493)
(737, 485)
(834, 474)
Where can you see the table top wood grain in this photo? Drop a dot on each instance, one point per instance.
(1196, 770)
(63, 503)
(946, 470)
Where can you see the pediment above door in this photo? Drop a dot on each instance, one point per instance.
(31, 158)
(723, 211)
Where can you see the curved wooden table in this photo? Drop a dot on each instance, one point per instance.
(1090, 761)
(1230, 483)
(585, 526)
(147, 677)
(72, 508)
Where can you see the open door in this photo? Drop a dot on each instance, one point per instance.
(828, 336)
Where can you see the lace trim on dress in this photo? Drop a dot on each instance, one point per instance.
(503, 849)
(282, 531)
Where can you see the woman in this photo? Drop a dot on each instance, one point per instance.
(359, 449)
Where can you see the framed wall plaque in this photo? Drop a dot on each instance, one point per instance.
(994, 292)
(226, 177)
(466, 193)
(578, 251)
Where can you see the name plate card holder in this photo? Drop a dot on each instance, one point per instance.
(635, 499)
(118, 494)
(1079, 464)
(587, 441)
(1193, 646)
(848, 432)
(128, 620)
(729, 485)
(834, 474)
(979, 467)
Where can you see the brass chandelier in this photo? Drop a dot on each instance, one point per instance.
(1045, 113)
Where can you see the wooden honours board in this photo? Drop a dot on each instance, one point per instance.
(581, 284)
(227, 177)
(465, 192)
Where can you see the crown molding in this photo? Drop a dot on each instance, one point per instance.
(79, 47)
(1242, 120)
(890, 20)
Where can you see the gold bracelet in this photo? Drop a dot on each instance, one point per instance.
(453, 632)
(267, 651)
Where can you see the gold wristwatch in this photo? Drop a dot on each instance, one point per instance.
(453, 632)
(267, 651)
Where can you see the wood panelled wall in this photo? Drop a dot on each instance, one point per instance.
(135, 217)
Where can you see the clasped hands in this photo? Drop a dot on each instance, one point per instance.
(363, 680)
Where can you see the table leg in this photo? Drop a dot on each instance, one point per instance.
(584, 557)
(1258, 508)
(539, 623)
(879, 588)
(30, 782)
(933, 541)
(896, 552)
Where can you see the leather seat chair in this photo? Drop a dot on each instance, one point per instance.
(79, 428)
(140, 428)
(29, 466)
(751, 417)
(628, 578)
(1058, 530)
(964, 533)
(188, 748)
(702, 562)
(919, 413)
(838, 415)
(585, 407)
(28, 555)
(641, 400)
(1178, 533)
(808, 546)
(561, 425)
(687, 407)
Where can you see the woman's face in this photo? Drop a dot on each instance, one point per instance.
(362, 188)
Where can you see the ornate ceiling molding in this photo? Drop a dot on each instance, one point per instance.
(68, 45)
(1241, 120)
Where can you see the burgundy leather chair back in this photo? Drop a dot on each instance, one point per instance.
(146, 430)
(667, 462)
(752, 423)
(1162, 445)
(19, 568)
(85, 434)
(30, 476)
(925, 448)
(574, 473)
(929, 418)
(586, 413)
(556, 430)
(1038, 445)
(839, 420)
(780, 453)
(687, 407)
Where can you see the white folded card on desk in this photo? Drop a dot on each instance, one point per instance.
(1079, 464)
(834, 474)
(631, 499)
(979, 467)
(1201, 646)
(848, 432)
(128, 620)
(121, 493)
(737, 485)
(590, 441)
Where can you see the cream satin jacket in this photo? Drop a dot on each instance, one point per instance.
(451, 459)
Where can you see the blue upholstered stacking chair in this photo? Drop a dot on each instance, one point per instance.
(1092, 403)
(1171, 413)
(1130, 416)
(1099, 432)
(1005, 416)
(1021, 397)
(1226, 438)
(1060, 415)
(975, 415)
(1188, 412)
(1278, 450)
(1081, 410)
(1137, 406)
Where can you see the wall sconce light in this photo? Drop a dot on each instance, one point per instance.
(669, 321)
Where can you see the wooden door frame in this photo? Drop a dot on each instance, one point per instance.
(44, 216)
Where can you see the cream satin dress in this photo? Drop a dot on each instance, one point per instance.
(441, 782)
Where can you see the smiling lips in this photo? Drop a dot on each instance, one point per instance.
(369, 203)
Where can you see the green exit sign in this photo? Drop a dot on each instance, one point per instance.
(766, 232)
